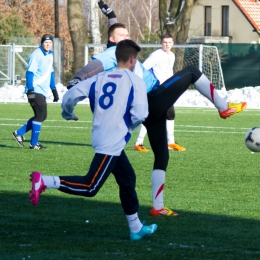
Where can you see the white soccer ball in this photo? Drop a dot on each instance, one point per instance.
(252, 139)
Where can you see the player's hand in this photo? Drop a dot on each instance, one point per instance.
(106, 10)
(55, 95)
(30, 96)
(73, 82)
(75, 118)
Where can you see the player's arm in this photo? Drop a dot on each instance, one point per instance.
(139, 109)
(33, 63)
(73, 96)
(92, 68)
(107, 11)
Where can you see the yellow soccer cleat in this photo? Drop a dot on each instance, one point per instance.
(233, 108)
(176, 147)
(140, 148)
(163, 212)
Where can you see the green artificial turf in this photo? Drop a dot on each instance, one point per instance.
(213, 185)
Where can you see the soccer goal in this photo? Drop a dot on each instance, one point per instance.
(205, 58)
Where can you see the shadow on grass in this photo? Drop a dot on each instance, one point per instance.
(70, 227)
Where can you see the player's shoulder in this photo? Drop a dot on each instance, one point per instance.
(156, 53)
(171, 53)
(131, 74)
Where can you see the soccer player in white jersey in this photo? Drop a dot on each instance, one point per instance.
(160, 63)
(119, 104)
(39, 80)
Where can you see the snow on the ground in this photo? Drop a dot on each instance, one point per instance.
(191, 98)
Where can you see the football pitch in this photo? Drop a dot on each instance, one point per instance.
(214, 186)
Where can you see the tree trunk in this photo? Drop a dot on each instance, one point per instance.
(176, 22)
(78, 32)
(94, 25)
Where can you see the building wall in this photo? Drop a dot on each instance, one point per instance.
(240, 30)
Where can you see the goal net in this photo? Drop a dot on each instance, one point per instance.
(205, 58)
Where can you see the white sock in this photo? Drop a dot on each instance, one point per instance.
(205, 87)
(134, 223)
(170, 131)
(51, 182)
(158, 179)
(142, 133)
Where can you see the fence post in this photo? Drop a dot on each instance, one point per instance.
(13, 68)
(200, 57)
(57, 60)
(86, 54)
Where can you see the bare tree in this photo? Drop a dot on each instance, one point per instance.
(94, 25)
(175, 19)
(78, 32)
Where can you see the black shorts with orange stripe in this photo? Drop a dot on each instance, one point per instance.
(101, 167)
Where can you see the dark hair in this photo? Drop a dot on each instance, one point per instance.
(167, 35)
(115, 26)
(126, 49)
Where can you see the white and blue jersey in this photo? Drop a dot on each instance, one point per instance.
(118, 101)
(107, 58)
(39, 73)
(109, 62)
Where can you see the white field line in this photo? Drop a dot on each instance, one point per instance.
(25, 120)
(228, 129)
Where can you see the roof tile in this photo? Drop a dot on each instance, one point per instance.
(251, 9)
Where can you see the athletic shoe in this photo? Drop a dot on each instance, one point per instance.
(233, 108)
(37, 187)
(140, 148)
(145, 231)
(163, 212)
(176, 147)
(18, 138)
(38, 146)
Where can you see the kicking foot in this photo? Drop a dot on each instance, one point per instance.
(163, 212)
(233, 108)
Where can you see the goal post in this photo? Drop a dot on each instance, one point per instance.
(205, 58)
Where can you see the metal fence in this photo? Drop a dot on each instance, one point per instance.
(240, 63)
(13, 62)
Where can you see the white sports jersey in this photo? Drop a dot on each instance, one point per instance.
(118, 101)
(161, 63)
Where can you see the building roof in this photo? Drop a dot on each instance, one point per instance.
(251, 10)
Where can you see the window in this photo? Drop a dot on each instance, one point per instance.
(225, 20)
(207, 29)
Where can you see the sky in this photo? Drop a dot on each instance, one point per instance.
(191, 98)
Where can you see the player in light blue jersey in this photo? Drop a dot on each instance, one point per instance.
(160, 98)
(118, 101)
(39, 80)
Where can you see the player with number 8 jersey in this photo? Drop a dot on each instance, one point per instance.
(111, 95)
(119, 104)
